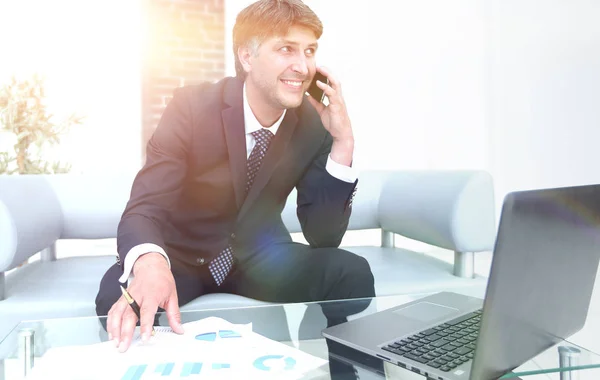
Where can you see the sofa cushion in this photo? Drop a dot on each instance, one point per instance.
(43, 290)
(61, 288)
(30, 218)
(400, 271)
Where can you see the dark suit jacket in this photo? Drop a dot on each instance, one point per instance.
(189, 196)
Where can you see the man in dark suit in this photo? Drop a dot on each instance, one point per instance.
(205, 210)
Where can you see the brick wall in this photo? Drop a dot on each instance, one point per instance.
(184, 44)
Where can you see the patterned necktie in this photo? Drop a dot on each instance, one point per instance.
(221, 265)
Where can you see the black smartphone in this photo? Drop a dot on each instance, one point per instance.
(314, 90)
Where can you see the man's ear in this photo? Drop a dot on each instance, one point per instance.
(245, 55)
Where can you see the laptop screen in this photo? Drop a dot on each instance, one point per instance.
(543, 271)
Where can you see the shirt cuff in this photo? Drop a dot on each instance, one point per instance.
(341, 172)
(134, 254)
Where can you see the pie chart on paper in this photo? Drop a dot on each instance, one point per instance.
(229, 334)
(207, 337)
(212, 336)
(270, 362)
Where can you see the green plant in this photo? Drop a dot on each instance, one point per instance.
(24, 115)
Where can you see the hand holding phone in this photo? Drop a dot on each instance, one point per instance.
(333, 114)
(333, 111)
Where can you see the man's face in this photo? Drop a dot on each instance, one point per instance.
(283, 67)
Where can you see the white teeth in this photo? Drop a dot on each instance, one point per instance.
(295, 84)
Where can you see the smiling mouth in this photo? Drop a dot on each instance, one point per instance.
(293, 83)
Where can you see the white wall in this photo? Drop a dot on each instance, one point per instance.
(544, 93)
(412, 74)
(510, 86)
(90, 54)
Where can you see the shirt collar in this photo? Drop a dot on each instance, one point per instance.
(251, 123)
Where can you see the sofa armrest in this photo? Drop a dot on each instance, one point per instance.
(30, 218)
(449, 209)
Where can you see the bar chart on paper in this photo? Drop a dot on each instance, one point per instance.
(165, 371)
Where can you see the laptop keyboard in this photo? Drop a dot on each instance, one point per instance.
(445, 346)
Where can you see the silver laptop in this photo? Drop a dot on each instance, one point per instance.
(544, 266)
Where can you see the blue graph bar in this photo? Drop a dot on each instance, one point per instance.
(191, 369)
(187, 369)
(134, 372)
(196, 368)
(168, 369)
(164, 369)
(221, 365)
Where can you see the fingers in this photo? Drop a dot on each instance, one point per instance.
(333, 89)
(334, 83)
(113, 322)
(147, 313)
(328, 90)
(127, 328)
(317, 105)
(173, 314)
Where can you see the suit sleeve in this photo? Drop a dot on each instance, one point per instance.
(158, 184)
(324, 202)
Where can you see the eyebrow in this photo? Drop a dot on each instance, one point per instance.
(314, 45)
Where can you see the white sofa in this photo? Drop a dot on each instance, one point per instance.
(449, 209)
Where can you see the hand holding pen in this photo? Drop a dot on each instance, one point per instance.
(152, 286)
(134, 305)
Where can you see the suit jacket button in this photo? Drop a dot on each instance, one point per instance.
(200, 260)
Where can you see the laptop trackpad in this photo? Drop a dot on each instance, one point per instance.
(425, 311)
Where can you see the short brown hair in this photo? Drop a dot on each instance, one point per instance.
(267, 18)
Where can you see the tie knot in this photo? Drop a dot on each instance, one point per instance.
(263, 137)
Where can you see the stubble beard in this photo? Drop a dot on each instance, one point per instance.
(274, 97)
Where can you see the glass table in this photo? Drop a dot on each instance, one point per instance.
(296, 325)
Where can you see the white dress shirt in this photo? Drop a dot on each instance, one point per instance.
(341, 172)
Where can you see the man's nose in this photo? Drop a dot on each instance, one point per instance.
(300, 66)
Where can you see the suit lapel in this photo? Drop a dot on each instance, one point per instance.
(233, 124)
(273, 156)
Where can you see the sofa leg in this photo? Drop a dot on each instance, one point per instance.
(49, 254)
(2, 286)
(464, 264)
(387, 239)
